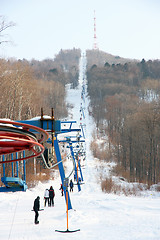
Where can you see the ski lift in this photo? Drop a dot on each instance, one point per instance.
(17, 180)
(49, 157)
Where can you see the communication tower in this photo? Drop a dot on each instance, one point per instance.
(95, 46)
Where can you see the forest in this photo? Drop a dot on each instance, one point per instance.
(28, 86)
(126, 107)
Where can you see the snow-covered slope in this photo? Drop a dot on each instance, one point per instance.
(99, 216)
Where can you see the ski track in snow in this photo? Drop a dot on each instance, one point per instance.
(98, 215)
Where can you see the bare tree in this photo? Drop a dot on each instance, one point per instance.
(4, 25)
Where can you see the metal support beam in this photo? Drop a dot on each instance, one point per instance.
(72, 153)
(17, 172)
(24, 167)
(3, 159)
(12, 165)
(79, 165)
(61, 169)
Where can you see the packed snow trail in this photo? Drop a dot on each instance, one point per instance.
(99, 216)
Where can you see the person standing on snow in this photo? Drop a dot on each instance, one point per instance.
(36, 207)
(51, 196)
(61, 188)
(71, 185)
(46, 197)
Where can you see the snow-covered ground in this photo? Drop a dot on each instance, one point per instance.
(98, 215)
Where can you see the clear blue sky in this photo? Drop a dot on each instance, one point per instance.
(127, 28)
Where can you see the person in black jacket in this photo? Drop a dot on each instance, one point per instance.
(61, 188)
(36, 207)
(51, 196)
(71, 185)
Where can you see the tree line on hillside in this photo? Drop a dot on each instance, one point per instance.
(64, 68)
(23, 95)
(28, 86)
(126, 107)
(99, 58)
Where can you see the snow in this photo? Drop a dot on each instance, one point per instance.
(98, 215)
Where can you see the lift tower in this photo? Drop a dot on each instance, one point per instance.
(95, 45)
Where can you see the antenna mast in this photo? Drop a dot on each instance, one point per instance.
(95, 35)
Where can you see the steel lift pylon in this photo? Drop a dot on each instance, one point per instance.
(53, 126)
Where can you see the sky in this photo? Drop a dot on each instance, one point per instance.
(128, 29)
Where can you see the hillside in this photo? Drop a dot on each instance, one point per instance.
(99, 58)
